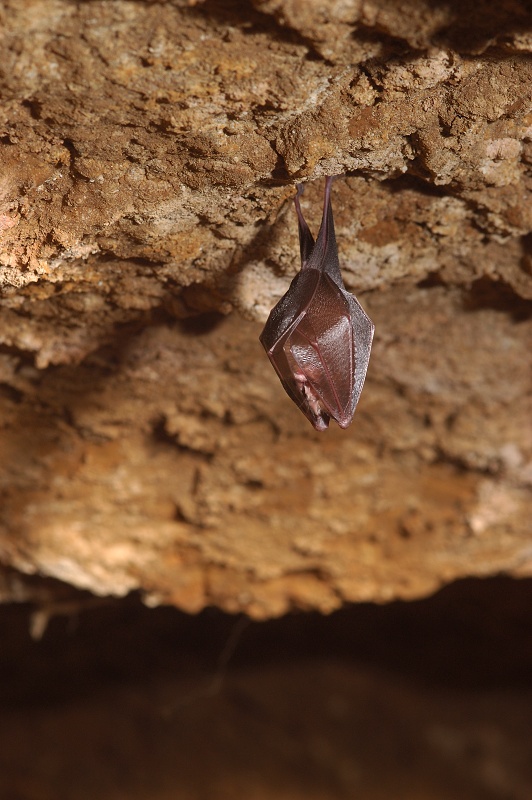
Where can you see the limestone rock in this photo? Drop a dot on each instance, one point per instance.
(148, 157)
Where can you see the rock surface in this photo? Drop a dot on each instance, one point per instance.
(149, 153)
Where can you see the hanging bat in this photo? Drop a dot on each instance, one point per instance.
(318, 337)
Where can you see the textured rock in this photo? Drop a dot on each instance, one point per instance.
(149, 153)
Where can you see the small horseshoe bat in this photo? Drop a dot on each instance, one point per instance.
(318, 337)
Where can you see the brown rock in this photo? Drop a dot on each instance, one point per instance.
(148, 155)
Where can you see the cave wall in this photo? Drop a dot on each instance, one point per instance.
(149, 153)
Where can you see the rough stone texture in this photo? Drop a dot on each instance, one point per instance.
(148, 155)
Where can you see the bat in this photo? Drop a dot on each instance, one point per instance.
(318, 337)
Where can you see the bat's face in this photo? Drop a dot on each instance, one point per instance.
(318, 337)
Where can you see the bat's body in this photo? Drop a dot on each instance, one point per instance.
(318, 337)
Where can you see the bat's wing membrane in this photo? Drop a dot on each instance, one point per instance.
(306, 239)
(289, 309)
(324, 256)
(318, 337)
(363, 330)
(323, 348)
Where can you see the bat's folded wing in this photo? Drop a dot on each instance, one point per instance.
(323, 348)
(289, 309)
(318, 339)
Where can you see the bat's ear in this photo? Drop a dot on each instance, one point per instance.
(306, 239)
